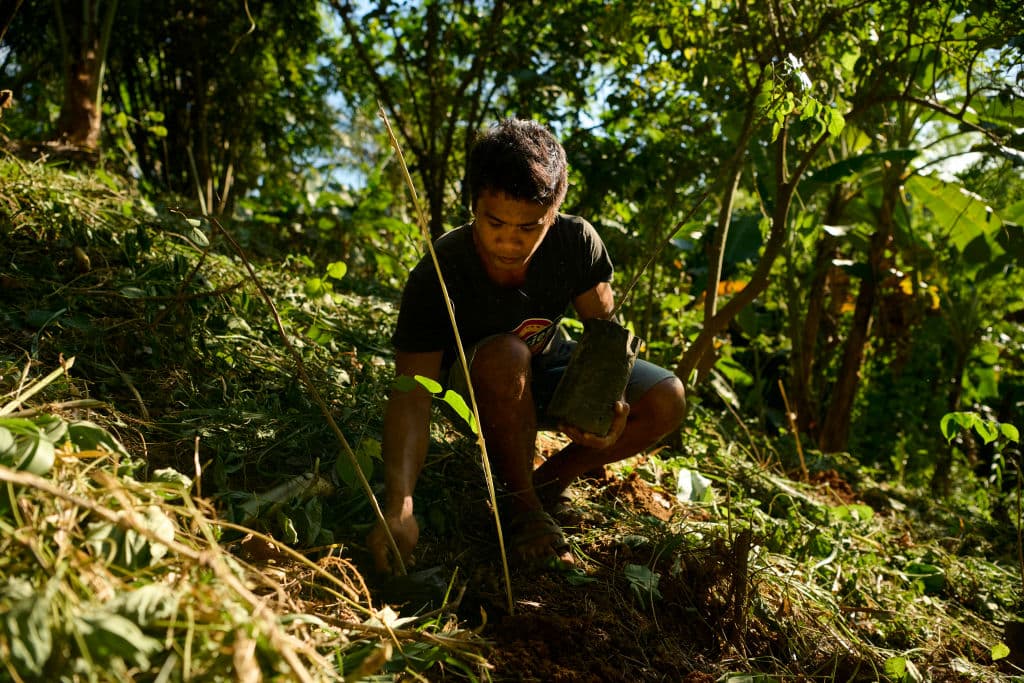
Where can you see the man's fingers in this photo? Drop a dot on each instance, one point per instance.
(619, 422)
(595, 441)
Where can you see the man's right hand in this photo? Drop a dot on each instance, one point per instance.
(406, 532)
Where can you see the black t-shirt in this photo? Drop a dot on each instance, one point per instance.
(570, 260)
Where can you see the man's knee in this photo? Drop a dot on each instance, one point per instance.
(666, 403)
(502, 363)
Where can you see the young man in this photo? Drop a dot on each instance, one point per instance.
(511, 275)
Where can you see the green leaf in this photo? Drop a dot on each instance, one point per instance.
(52, 427)
(1000, 651)
(24, 446)
(314, 287)
(26, 630)
(836, 122)
(173, 478)
(896, 668)
(39, 457)
(458, 404)
(403, 383)
(961, 214)
(289, 533)
(364, 458)
(199, 238)
(856, 165)
(1010, 432)
(932, 578)
(88, 436)
(577, 577)
(642, 581)
(146, 604)
(987, 430)
(665, 38)
(429, 384)
(371, 448)
(1014, 213)
(964, 420)
(763, 99)
(110, 635)
(337, 269)
(854, 512)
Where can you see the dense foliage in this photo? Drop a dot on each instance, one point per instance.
(822, 201)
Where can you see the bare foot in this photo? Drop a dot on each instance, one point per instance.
(536, 541)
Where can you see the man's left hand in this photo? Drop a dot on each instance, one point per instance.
(599, 443)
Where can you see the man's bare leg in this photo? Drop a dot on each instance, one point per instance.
(654, 415)
(501, 383)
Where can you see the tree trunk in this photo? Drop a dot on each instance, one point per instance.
(84, 39)
(835, 432)
(7, 16)
(805, 336)
(704, 342)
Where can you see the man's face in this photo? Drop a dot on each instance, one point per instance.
(507, 233)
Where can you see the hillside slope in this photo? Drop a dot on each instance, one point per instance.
(185, 509)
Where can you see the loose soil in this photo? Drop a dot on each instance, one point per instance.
(591, 622)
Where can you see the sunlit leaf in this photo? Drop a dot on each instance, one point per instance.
(458, 404)
(337, 269)
(199, 238)
(963, 420)
(692, 486)
(315, 287)
(429, 384)
(665, 38)
(173, 478)
(1000, 651)
(896, 668)
(27, 631)
(960, 214)
(1010, 432)
(853, 512)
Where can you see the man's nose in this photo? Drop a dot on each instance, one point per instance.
(509, 236)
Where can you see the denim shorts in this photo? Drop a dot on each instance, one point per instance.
(547, 369)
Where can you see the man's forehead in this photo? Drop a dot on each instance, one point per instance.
(505, 209)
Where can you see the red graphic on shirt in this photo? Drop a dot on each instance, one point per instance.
(535, 332)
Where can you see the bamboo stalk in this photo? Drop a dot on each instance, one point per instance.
(488, 476)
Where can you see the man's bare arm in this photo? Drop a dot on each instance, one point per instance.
(596, 302)
(404, 449)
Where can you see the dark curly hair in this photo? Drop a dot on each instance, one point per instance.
(521, 159)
